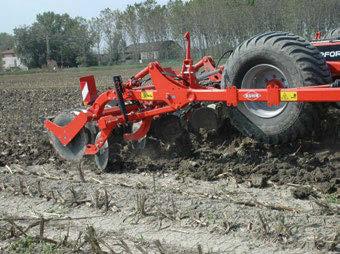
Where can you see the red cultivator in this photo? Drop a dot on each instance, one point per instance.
(279, 75)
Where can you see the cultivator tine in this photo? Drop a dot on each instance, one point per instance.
(118, 84)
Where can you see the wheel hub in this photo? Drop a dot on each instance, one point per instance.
(257, 78)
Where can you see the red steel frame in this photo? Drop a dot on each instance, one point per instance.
(170, 91)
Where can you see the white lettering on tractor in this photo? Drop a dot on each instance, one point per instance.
(331, 54)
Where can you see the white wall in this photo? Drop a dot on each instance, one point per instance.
(150, 55)
(12, 62)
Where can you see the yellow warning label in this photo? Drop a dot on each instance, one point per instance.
(288, 96)
(147, 95)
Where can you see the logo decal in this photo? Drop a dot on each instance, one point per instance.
(288, 96)
(252, 96)
(147, 95)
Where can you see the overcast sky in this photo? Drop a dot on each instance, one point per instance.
(15, 13)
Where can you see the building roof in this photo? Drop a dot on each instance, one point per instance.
(150, 46)
(8, 52)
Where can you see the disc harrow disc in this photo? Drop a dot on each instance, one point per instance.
(204, 118)
(139, 144)
(168, 128)
(102, 157)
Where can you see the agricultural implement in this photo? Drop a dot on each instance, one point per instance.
(270, 87)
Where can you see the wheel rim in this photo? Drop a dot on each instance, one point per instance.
(256, 78)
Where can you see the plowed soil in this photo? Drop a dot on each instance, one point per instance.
(228, 193)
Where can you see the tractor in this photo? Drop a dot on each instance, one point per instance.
(273, 87)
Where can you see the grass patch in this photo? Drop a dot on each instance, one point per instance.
(333, 199)
(30, 245)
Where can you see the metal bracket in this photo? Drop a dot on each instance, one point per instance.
(118, 84)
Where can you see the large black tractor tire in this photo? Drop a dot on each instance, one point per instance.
(333, 34)
(275, 55)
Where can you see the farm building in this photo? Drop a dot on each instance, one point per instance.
(146, 52)
(11, 60)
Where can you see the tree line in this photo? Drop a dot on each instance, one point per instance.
(215, 26)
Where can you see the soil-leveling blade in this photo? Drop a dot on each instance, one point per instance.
(76, 148)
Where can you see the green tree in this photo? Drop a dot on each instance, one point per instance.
(130, 25)
(97, 36)
(48, 25)
(152, 20)
(6, 41)
(55, 37)
(29, 47)
(215, 26)
(113, 34)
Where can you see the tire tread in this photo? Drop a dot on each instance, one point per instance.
(314, 71)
